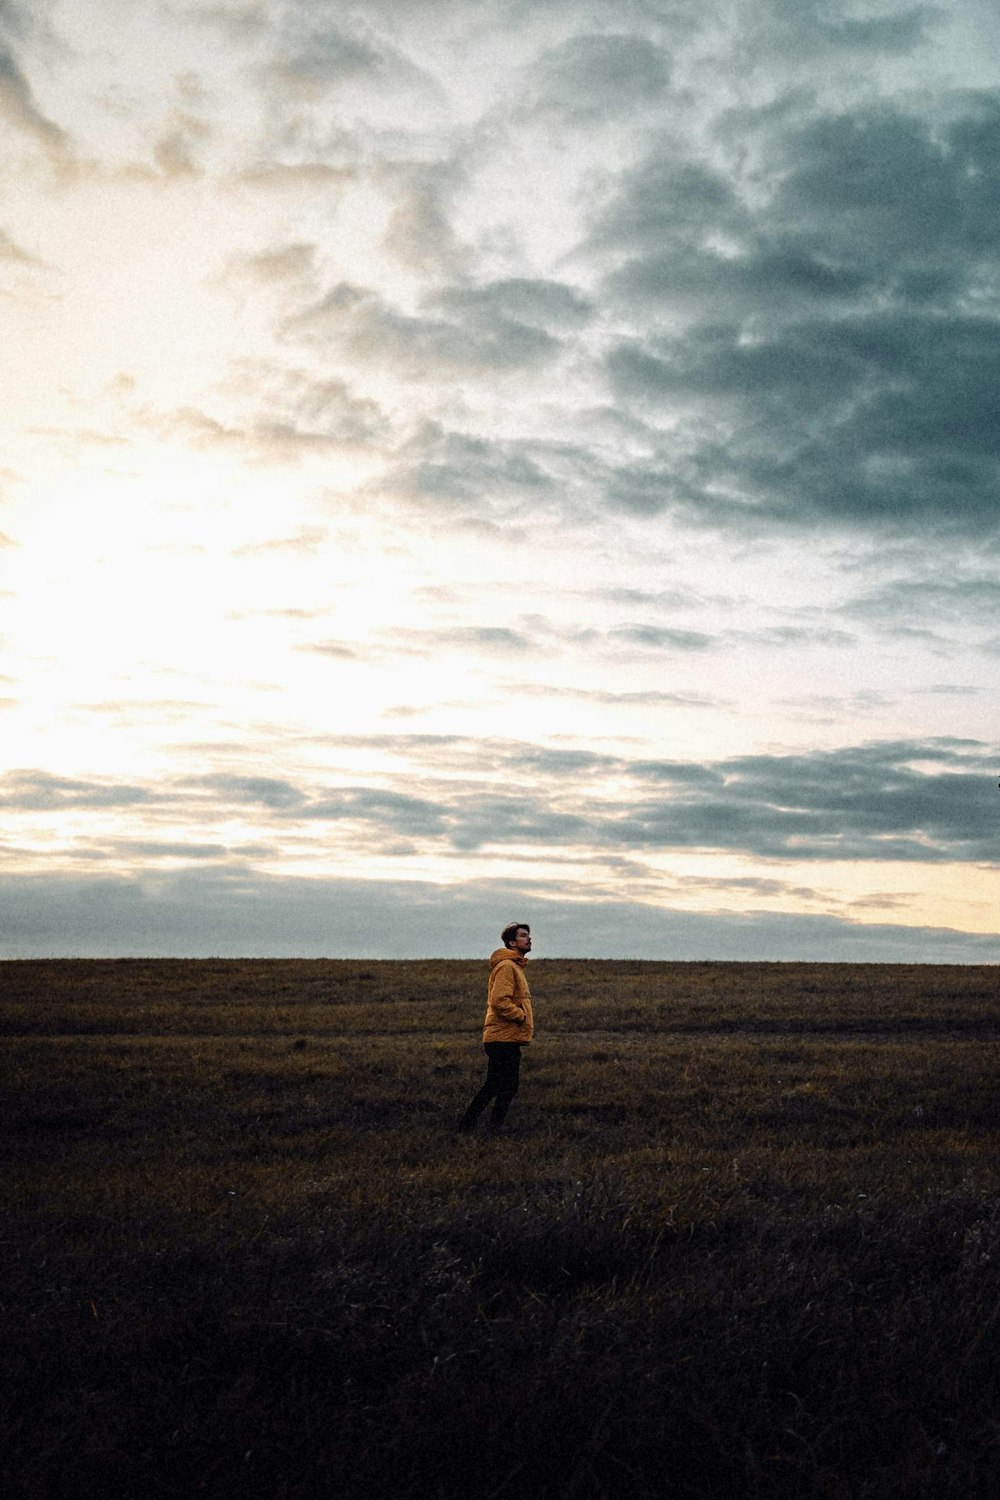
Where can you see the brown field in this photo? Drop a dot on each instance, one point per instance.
(743, 1238)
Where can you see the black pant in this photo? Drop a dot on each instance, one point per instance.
(503, 1075)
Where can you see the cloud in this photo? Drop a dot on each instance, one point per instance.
(817, 28)
(532, 301)
(912, 801)
(12, 254)
(821, 345)
(306, 539)
(961, 599)
(328, 55)
(279, 415)
(391, 812)
(360, 323)
(240, 18)
(18, 105)
(300, 177)
(420, 233)
(210, 912)
(915, 802)
(20, 109)
(659, 637)
(789, 637)
(541, 636)
(175, 150)
(666, 215)
(878, 420)
(314, 56)
(489, 640)
(336, 649)
(285, 263)
(265, 791)
(628, 699)
(589, 77)
(24, 791)
(324, 75)
(482, 478)
(166, 849)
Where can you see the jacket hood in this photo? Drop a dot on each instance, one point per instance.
(501, 953)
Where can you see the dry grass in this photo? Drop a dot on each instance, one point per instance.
(743, 1240)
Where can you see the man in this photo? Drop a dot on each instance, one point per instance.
(509, 1026)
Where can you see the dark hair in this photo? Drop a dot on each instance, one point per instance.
(510, 932)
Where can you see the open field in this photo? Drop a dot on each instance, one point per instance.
(743, 1238)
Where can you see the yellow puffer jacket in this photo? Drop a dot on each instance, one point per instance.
(508, 1008)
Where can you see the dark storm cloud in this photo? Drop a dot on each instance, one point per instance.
(832, 350)
(464, 342)
(210, 912)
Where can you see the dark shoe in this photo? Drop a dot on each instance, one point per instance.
(465, 1126)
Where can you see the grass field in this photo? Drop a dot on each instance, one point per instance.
(743, 1238)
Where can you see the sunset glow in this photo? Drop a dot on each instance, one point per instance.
(472, 460)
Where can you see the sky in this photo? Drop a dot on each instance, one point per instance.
(468, 461)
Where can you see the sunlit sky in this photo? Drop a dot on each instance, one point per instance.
(465, 462)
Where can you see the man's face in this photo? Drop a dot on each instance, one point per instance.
(522, 941)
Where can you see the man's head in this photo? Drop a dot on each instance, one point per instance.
(517, 936)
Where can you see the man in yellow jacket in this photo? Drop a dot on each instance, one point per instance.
(508, 1027)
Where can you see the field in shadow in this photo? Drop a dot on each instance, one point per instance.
(743, 1238)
